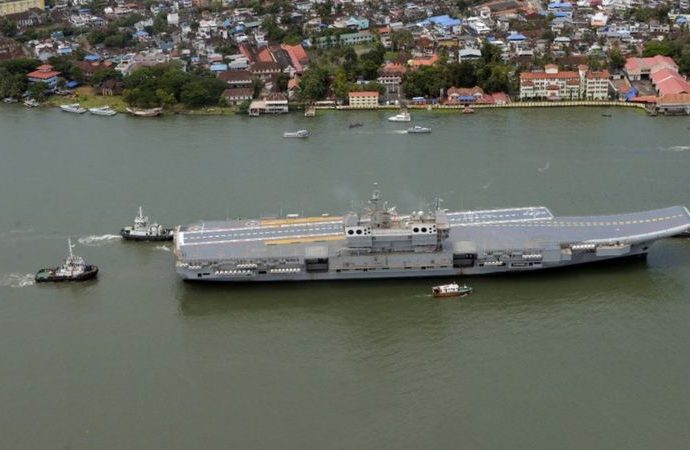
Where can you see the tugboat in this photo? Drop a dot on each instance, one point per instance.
(143, 231)
(72, 269)
(451, 290)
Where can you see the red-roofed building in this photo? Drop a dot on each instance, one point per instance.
(364, 99)
(667, 82)
(44, 74)
(265, 56)
(298, 56)
(643, 68)
(569, 85)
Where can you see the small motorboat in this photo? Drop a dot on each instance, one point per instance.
(416, 129)
(296, 134)
(356, 125)
(73, 268)
(451, 290)
(73, 108)
(31, 103)
(402, 116)
(10, 100)
(151, 112)
(103, 111)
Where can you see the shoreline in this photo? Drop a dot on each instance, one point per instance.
(117, 103)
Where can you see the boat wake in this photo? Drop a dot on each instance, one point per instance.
(164, 248)
(398, 131)
(676, 148)
(545, 168)
(17, 280)
(94, 240)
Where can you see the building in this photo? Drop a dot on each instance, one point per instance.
(552, 84)
(275, 103)
(642, 68)
(236, 78)
(19, 6)
(236, 96)
(465, 95)
(361, 37)
(44, 74)
(364, 99)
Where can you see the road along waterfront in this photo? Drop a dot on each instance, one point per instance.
(588, 358)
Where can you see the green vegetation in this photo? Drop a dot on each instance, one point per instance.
(166, 85)
(677, 48)
(13, 82)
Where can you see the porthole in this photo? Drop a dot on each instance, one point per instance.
(359, 231)
(350, 232)
(416, 230)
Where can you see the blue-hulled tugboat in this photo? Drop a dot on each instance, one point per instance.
(145, 231)
(74, 268)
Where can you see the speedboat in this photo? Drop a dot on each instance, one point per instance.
(296, 134)
(103, 111)
(402, 116)
(73, 268)
(416, 129)
(451, 290)
(73, 108)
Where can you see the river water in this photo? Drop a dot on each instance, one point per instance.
(592, 358)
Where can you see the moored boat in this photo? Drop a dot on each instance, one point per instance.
(103, 111)
(142, 230)
(416, 129)
(151, 112)
(73, 108)
(451, 290)
(9, 100)
(31, 103)
(402, 116)
(296, 134)
(73, 268)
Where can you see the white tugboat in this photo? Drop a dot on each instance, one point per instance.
(145, 231)
(74, 268)
(451, 290)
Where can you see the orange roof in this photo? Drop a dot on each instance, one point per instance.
(296, 52)
(43, 75)
(265, 56)
(674, 99)
(418, 62)
(600, 74)
(550, 76)
(364, 94)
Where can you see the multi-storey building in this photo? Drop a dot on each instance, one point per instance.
(364, 99)
(552, 84)
(19, 6)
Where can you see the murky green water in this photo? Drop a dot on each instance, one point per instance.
(592, 358)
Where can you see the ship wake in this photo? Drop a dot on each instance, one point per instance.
(164, 248)
(676, 148)
(17, 280)
(96, 240)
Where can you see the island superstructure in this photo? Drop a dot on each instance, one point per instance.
(377, 242)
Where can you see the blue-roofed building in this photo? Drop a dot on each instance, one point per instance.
(92, 57)
(517, 37)
(218, 67)
(445, 21)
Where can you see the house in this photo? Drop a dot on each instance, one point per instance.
(110, 87)
(235, 96)
(465, 95)
(236, 78)
(364, 99)
(9, 49)
(642, 68)
(265, 70)
(44, 74)
(298, 57)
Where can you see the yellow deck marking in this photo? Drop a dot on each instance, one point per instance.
(298, 220)
(303, 240)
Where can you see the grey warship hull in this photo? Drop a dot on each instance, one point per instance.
(472, 243)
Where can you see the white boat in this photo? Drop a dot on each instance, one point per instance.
(296, 134)
(151, 112)
(10, 100)
(416, 129)
(31, 103)
(451, 290)
(402, 116)
(73, 108)
(103, 111)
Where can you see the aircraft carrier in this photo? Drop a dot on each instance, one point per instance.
(377, 242)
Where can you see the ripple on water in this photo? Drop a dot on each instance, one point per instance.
(17, 280)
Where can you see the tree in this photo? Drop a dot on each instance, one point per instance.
(616, 59)
(282, 82)
(401, 40)
(38, 91)
(314, 84)
(202, 91)
(462, 74)
(8, 27)
(653, 48)
(257, 87)
(105, 74)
